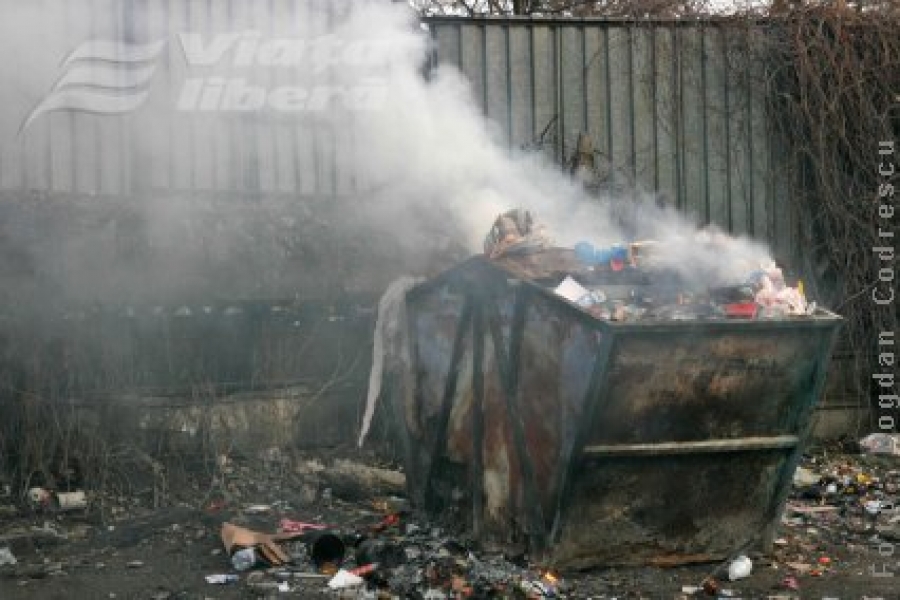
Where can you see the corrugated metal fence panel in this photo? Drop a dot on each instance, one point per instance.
(158, 147)
(664, 103)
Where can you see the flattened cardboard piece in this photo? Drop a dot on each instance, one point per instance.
(235, 537)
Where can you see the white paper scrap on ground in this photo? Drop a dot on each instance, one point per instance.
(344, 579)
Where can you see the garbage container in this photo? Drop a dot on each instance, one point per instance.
(601, 442)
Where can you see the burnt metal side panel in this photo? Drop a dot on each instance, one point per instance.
(706, 385)
(459, 413)
(502, 472)
(437, 318)
(558, 355)
(694, 382)
(665, 510)
(434, 322)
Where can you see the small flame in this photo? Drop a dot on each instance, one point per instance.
(551, 578)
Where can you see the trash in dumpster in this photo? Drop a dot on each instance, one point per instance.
(514, 232)
(614, 258)
(630, 281)
(574, 292)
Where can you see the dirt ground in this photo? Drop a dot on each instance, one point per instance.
(829, 545)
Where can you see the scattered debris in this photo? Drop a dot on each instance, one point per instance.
(290, 526)
(790, 583)
(345, 579)
(326, 550)
(222, 579)
(881, 443)
(804, 477)
(236, 538)
(244, 559)
(711, 586)
(740, 568)
(41, 498)
(391, 551)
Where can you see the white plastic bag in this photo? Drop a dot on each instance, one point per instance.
(881, 443)
(740, 568)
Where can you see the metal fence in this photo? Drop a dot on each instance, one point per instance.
(157, 147)
(675, 107)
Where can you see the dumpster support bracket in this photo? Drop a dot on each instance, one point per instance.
(594, 399)
(509, 365)
(440, 437)
(779, 442)
(477, 472)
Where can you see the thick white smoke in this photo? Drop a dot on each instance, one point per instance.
(429, 146)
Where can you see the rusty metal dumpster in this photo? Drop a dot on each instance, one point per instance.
(597, 442)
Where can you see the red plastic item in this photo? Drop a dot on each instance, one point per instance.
(363, 570)
(741, 310)
(289, 526)
(790, 582)
(389, 521)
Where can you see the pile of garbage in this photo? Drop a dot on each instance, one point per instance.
(636, 280)
(865, 492)
(393, 556)
(843, 501)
